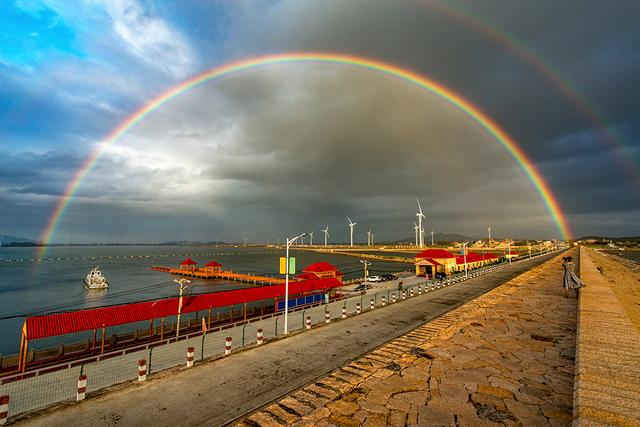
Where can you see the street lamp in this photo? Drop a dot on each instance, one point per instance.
(366, 269)
(286, 284)
(181, 282)
(464, 254)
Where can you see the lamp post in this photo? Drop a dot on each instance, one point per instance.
(366, 269)
(286, 284)
(181, 282)
(509, 249)
(464, 254)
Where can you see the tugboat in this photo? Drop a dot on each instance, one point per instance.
(95, 281)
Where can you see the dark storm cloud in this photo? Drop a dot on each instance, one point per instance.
(295, 147)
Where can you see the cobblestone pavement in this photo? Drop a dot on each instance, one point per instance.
(505, 358)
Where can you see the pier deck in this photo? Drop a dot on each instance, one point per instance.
(202, 273)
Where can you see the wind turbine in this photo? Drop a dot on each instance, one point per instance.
(489, 233)
(415, 228)
(431, 237)
(351, 225)
(420, 215)
(326, 235)
(311, 238)
(369, 237)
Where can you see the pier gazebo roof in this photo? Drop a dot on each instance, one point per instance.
(188, 261)
(213, 264)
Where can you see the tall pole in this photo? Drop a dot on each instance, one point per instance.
(489, 233)
(286, 284)
(509, 246)
(431, 237)
(181, 282)
(351, 227)
(464, 253)
(366, 265)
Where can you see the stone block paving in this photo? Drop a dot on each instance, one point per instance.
(505, 358)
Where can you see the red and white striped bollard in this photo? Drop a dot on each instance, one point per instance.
(344, 312)
(327, 317)
(259, 337)
(142, 370)
(190, 352)
(383, 301)
(393, 298)
(4, 409)
(373, 304)
(404, 294)
(308, 322)
(227, 346)
(411, 292)
(82, 388)
(358, 308)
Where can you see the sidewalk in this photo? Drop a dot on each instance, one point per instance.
(505, 358)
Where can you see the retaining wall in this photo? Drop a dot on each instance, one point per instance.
(607, 375)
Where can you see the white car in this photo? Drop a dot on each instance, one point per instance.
(375, 279)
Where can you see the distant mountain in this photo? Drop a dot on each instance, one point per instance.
(615, 239)
(6, 240)
(438, 237)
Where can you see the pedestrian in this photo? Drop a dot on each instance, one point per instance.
(570, 280)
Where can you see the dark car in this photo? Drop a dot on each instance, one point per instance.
(362, 287)
(389, 276)
(441, 275)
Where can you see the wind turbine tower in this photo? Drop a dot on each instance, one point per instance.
(489, 229)
(351, 225)
(420, 216)
(369, 237)
(311, 238)
(431, 237)
(415, 228)
(326, 235)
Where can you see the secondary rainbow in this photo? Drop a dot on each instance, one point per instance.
(315, 57)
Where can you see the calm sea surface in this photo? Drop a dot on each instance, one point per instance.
(55, 284)
(632, 255)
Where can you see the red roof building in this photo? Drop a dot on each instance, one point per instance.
(213, 267)
(188, 264)
(432, 261)
(320, 270)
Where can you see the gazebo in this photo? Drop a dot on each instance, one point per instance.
(188, 264)
(213, 267)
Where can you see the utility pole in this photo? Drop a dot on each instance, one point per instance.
(464, 253)
(181, 282)
(286, 284)
(366, 265)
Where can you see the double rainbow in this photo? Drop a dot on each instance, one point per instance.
(379, 67)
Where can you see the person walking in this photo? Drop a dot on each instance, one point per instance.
(570, 280)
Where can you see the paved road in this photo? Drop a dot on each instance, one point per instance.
(217, 392)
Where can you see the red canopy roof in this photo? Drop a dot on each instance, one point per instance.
(96, 318)
(435, 253)
(489, 256)
(188, 261)
(320, 267)
(213, 264)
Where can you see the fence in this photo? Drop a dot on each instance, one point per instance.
(40, 388)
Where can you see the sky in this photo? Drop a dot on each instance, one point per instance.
(280, 150)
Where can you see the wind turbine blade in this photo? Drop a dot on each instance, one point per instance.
(349, 220)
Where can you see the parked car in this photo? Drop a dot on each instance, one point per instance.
(362, 287)
(375, 279)
(389, 276)
(440, 275)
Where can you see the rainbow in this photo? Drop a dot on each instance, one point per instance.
(317, 58)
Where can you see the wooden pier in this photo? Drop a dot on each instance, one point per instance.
(202, 273)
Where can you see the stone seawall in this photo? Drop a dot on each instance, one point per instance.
(607, 376)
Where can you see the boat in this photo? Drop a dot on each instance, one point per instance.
(95, 280)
